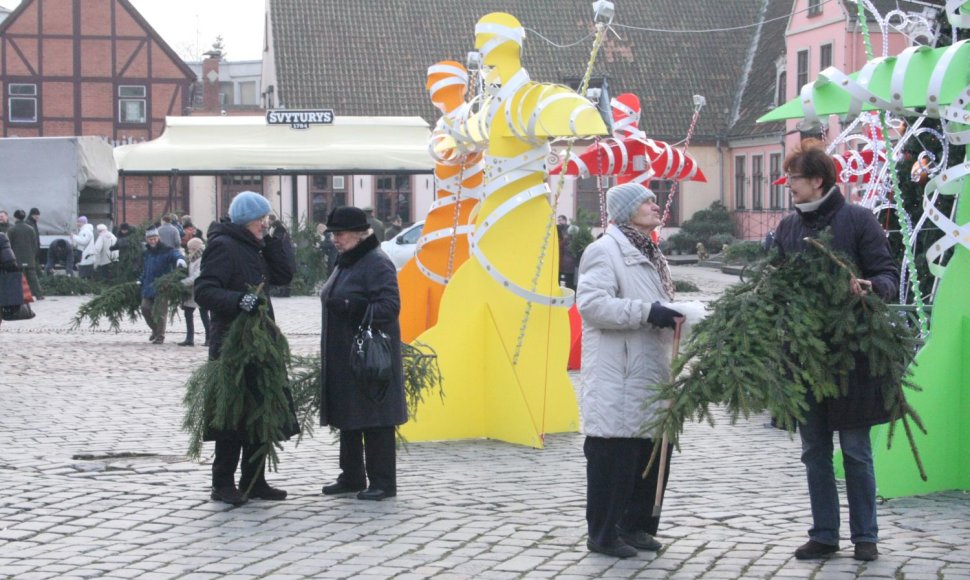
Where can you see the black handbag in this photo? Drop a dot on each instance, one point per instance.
(371, 358)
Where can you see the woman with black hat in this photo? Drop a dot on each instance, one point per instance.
(364, 277)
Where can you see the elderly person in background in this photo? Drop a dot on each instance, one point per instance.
(819, 205)
(624, 297)
(366, 417)
(240, 257)
(104, 256)
(82, 239)
(158, 260)
(23, 241)
(194, 248)
(170, 235)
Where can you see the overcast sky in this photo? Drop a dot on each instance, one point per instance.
(191, 26)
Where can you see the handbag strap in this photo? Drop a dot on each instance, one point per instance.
(368, 318)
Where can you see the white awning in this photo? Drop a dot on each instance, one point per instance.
(249, 145)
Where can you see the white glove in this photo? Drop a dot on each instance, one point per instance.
(181, 264)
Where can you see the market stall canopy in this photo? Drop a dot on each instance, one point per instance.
(250, 145)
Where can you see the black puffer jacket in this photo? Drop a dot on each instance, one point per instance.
(364, 275)
(234, 262)
(857, 234)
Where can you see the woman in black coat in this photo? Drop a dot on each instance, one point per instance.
(240, 257)
(366, 418)
(820, 206)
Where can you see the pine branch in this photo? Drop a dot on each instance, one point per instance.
(114, 305)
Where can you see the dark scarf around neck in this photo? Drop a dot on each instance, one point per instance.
(648, 248)
(351, 256)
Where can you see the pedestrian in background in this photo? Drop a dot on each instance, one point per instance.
(195, 249)
(820, 206)
(82, 240)
(241, 256)
(4, 222)
(157, 260)
(170, 235)
(104, 257)
(393, 229)
(376, 225)
(11, 286)
(624, 297)
(364, 278)
(33, 216)
(23, 242)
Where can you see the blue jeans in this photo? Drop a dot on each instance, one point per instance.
(860, 479)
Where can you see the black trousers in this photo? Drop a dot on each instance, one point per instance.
(227, 457)
(376, 445)
(616, 495)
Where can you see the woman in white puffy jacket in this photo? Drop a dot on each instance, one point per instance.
(104, 257)
(624, 297)
(84, 243)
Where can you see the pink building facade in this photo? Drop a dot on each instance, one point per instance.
(819, 35)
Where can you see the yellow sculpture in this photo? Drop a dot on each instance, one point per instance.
(503, 360)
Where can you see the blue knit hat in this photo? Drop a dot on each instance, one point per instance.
(624, 199)
(248, 206)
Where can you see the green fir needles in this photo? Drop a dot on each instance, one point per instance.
(114, 305)
(244, 393)
(794, 329)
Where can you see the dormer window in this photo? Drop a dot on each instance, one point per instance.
(814, 7)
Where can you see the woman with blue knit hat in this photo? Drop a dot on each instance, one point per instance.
(240, 256)
(623, 295)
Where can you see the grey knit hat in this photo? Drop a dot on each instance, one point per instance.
(622, 200)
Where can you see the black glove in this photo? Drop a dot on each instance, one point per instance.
(662, 316)
(279, 230)
(11, 266)
(250, 303)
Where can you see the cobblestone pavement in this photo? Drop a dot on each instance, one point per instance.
(95, 484)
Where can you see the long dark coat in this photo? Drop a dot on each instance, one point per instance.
(857, 234)
(23, 242)
(233, 262)
(364, 275)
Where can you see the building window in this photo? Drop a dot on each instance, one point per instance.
(824, 56)
(132, 106)
(739, 178)
(327, 192)
(393, 197)
(22, 103)
(234, 184)
(757, 181)
(814, 7)
(782, 95)
(777, 191)
(801, 78)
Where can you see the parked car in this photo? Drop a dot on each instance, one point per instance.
(401, 248)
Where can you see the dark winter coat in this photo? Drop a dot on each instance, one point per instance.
(32, 222)
(156, 262)
(857, 234)
(11, 285)
(364, 275)
(235, 262)
(23, 242)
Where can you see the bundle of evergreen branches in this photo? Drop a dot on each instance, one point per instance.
(245, 390)
(124, 301)
(421, 377)
(114, 304)
(794, 330)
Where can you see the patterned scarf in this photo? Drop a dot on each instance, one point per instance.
(649, 249)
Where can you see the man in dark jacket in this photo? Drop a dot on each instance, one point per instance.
(23, 241)
(239, 257)
(819, 206)
(33, 216)
(157, 261)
